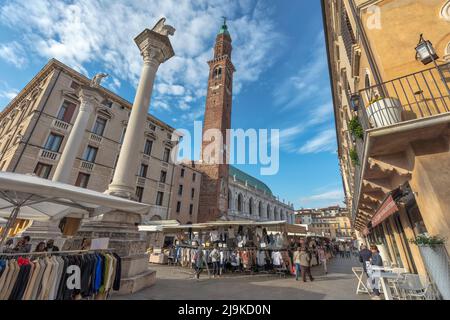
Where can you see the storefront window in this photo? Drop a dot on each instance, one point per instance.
(396, 252)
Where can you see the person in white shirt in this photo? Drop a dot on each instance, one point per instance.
(215, 259)
(323, 259)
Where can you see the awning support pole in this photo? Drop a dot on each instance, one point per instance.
(9, 224)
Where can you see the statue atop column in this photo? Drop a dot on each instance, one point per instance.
(163, 29)
(97, 80)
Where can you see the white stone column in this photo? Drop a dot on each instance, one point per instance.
(155, 49)
(65, 165)
(44, 230)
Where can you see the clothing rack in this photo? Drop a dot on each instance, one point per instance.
(45, 253)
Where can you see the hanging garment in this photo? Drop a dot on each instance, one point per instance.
(277, 260)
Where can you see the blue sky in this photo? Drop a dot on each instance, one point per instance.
(279, 53)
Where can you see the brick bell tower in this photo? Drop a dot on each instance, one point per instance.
(214, 189)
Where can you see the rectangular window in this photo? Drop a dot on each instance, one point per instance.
(180, 190)
(182, 172)
(192, 193)
(82, 180)
(53, 142)
(139, 193)
(159, 198)
(143, 171)
(43, 170)
(148, 147)
(166, 155)
(66, 111)
(163, 177)
(90, 154)
(99, 126)
(75, 85)
(178, 206)
(191, 209)
(152, 126)
(194, 176)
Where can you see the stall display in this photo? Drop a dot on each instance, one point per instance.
(248, 247)
(44, 276)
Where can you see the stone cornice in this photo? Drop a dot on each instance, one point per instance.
(54, 65)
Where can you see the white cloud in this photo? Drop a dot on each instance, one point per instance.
(13, 53)
(307, 83)
(81, 33)
(314, 119)
(322, 142)
(9, 94)
(330, 197)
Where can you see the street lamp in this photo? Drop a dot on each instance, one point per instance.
(426, 53)
(355, 101)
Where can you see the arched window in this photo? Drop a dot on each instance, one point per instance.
(239, 202)
(268, 211)
(250, 206)
(230, 199)
(260, 209)
(218, 73)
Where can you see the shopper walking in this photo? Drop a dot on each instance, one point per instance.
(376, 260)
(198, 262)
(305, 264)
(297, 262)
(347, 250)
(341, 249)
(215, 259)
(364, 256)
(323, 258)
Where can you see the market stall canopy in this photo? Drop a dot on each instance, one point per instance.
(269, 225)
(158, 226)
(41, 199)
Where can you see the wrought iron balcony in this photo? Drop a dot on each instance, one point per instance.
(415, 96)
(418, 95)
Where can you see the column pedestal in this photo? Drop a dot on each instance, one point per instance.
(125, 239)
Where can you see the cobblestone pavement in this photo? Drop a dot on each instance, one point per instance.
(177, 283)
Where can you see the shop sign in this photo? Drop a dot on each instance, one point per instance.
(388, 208)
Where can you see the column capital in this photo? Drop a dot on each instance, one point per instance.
(155, 47)
(87, 98)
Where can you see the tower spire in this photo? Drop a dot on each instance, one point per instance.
(224, 28)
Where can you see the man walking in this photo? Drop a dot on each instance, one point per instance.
(305, 264)
(364, 256)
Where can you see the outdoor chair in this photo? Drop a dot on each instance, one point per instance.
(394, 283)
(415, 287)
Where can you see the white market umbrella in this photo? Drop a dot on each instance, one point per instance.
(30, 197)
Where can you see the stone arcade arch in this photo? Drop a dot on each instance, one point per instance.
(240, 201)
(250, 206)
(260, 209)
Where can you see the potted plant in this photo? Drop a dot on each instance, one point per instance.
(435, 258)
(384, 111)
(354, 157)
(356, 128)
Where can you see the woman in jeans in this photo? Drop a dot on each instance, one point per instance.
(215, 259)
(296, 258)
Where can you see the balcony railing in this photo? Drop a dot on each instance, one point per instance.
(418, 95)
(49, 155)
(61, 125)
(86, 165)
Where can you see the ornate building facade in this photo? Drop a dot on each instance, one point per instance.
(390, 70)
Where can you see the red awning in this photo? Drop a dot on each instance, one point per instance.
(388, 208)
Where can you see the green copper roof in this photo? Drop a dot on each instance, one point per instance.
(224, 28)
(252, 181)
